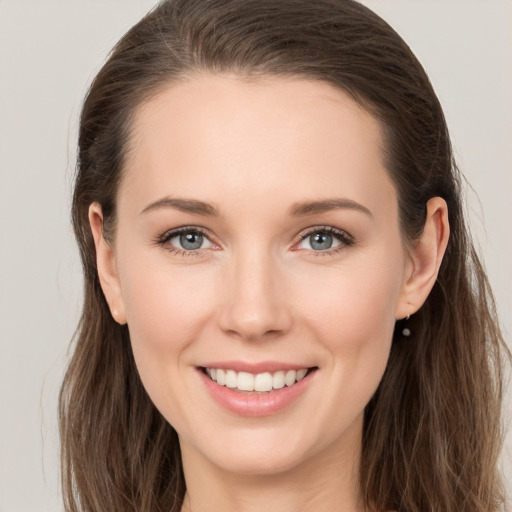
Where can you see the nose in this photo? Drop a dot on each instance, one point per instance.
(255, 305)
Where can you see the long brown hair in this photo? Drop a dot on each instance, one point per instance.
(432, 432)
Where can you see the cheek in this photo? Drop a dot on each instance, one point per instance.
(166, 308)
(352, 311)
(354, 303)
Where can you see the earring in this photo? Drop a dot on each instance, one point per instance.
(406, 331)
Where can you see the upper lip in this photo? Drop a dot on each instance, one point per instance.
(255, 367)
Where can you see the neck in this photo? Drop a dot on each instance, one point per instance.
(325, 482)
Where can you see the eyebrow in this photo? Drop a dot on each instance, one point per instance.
(300, 209)
(326, 205)
(185, 205)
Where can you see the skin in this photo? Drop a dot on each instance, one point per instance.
(257, 290)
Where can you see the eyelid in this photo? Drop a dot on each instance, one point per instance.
(163, 239)
(343, 236)
(183, 229)
(345, 239)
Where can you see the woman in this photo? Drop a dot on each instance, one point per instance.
(282, 303)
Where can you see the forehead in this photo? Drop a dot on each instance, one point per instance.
(220, 134)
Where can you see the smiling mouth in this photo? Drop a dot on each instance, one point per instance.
(259, 383)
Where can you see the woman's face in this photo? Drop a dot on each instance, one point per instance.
(258, 237)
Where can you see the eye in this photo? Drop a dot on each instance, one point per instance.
(190, 241)
(185, 241)
(324, 239)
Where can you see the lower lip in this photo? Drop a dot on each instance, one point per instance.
(255, 404)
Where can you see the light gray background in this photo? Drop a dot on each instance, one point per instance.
(49, 52)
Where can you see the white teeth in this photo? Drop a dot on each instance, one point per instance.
(221, 377)
(290, 377)
(301, 374)
(278, 380)
(231, 379)
(245, 381)
(262, 382)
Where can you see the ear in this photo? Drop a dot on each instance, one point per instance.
(106, 263)
(425, 256)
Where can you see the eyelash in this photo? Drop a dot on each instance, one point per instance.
(342, 236)
(163, 239)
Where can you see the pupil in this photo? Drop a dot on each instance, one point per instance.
(321, 241)
(191, 241)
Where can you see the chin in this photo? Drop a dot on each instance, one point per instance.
(258, 452)
(258, 463)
